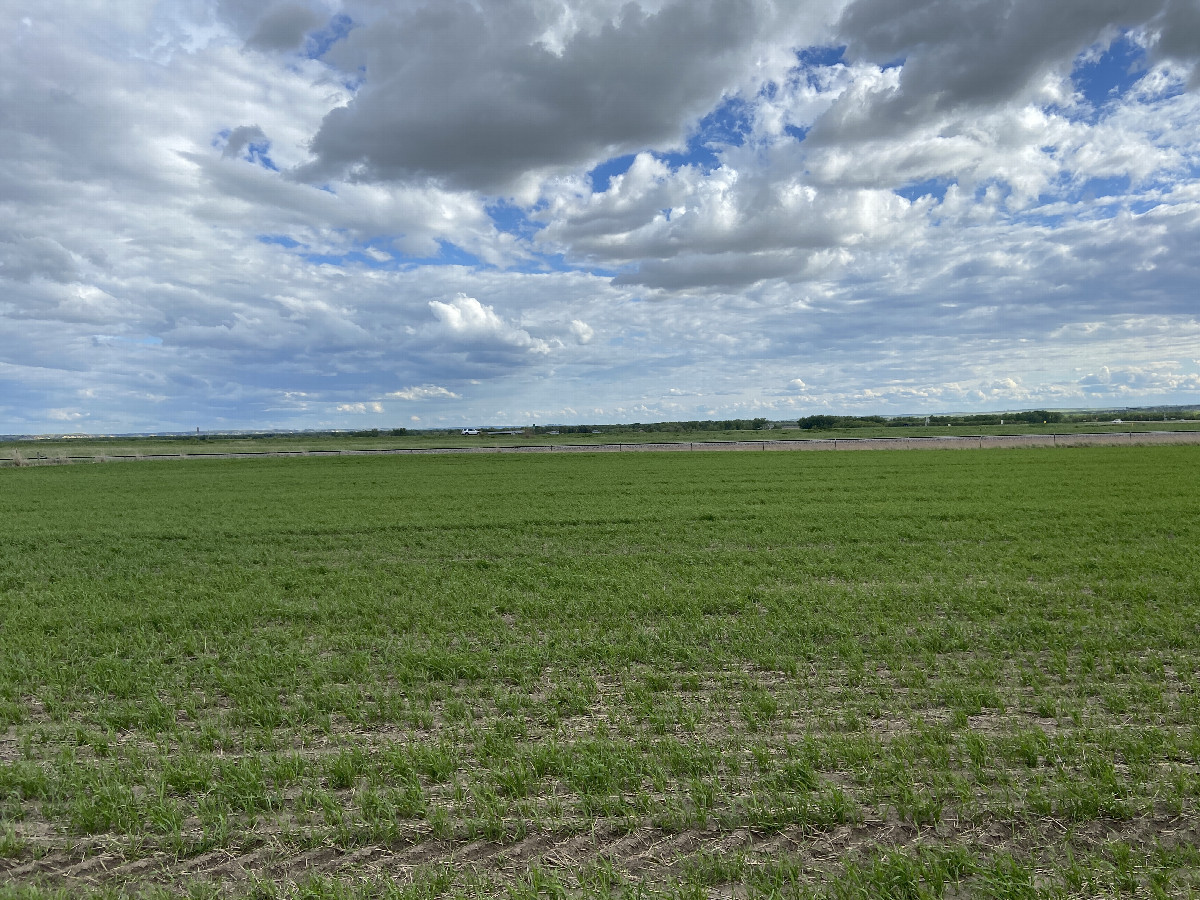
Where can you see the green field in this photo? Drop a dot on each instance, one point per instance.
(869, 674)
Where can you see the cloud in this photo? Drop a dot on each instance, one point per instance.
(1177, 33)
(976, 56)
(726, 229)
(481, 96)
(1137, 380)
(360, 408)
(26, 258)
(981, 54)
(240, 138)
(65, 415)
(464, 323)
(424, 392)
(582, 330)
(283, 26)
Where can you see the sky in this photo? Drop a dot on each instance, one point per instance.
(240, 214)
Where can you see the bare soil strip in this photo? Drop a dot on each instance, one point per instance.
(645, 853)
(941, 442)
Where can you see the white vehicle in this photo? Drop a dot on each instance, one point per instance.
(470, 431)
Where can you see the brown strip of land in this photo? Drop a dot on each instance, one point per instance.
(942, 442)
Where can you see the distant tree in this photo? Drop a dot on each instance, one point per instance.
(819, 423)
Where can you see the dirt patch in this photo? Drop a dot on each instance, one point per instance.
(651, 855)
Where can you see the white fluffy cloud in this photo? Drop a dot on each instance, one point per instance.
(242, 214)
(463, 323)
(424, 392)
(373, 406)
(582, 330)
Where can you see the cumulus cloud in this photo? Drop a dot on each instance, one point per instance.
(980, 55)
(373, 406)
(582, 330)
(465, 323)
(725, 229)
(480, 96)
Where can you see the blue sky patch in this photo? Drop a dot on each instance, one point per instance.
(258, 152)
(319, 42)
(725, 126)
(279, 240)
(547, 262)
(812, 58)
(1114, 72)
(935, 187)
(449, 254)
(728, 124)
(511, 219)
(1100, 188)
(820, 57)
(807, 71)
(602, 175)
(454, 255)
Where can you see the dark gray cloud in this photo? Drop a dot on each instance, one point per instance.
(283, 27)
(715, 272)
(470, 96)
(979, 51)
(271, 25)
(1178, 33)
(972, 54)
